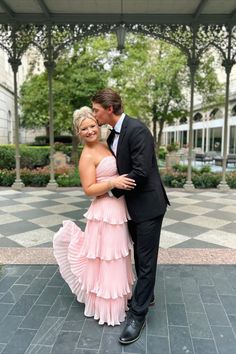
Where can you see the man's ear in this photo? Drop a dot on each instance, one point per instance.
(110, 109)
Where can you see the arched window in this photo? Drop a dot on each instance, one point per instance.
(197, 117)
(183, 120)
(233, 111)
(216, 113)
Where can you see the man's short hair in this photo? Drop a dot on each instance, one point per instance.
(108, 97)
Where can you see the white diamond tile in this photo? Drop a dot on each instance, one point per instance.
(224, 201)
(185, 201)
(15, 208)
(76, 193)
(9, 192)
(7, 219)
(194, 209)
(204, 221)
(47, 221)
(179, 194)
(170, 239)
(33, 238)
(219, 237)
(69, 200)
(28, 200)
(61, 208)
(230, 209)
(41, 192)
(167, 222)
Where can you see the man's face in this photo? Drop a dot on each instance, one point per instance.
(102, 115)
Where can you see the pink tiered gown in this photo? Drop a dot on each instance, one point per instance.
(96, 263)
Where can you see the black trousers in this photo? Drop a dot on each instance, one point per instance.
(146, 238)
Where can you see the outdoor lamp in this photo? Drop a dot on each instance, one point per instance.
(120, 34)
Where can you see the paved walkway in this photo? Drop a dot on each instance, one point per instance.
(195, 311)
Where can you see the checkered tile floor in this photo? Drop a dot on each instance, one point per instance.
(201, 219)
(195, 311)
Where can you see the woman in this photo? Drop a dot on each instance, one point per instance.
(96, 263)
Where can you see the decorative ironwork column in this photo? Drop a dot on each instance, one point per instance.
(192, 40)
(225, 42)
(15, 40)
(50, 40)
(18, 184)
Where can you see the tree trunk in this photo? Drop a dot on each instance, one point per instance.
(158, 144)
(154, 127)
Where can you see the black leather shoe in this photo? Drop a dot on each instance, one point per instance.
(132, 330)
(152, 302)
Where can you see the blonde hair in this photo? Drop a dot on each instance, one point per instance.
(80, 115)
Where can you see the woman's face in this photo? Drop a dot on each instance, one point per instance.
(89, 130)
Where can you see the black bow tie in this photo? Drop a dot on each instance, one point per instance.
(113, 131)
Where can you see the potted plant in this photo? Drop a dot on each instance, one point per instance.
(173, 157)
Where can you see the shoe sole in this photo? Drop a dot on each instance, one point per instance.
(134, 340)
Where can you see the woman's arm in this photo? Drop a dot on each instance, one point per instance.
(87, 170)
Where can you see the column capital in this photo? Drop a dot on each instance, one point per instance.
(228, 64)
(50, 65)
(15, 63)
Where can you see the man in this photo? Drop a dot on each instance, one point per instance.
(133, 145)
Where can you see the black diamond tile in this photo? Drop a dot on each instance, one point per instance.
(31, 214)
(7, 242)
(17, 227)
(184, 229)
(193, 243)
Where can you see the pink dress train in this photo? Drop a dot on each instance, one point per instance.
(96, 263)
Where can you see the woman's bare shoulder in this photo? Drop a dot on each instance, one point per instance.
(86, 157)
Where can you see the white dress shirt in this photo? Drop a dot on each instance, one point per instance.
(117, 128)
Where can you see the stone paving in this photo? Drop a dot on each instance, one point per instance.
(195, 312)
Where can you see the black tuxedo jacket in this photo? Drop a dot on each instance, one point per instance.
(136, 157)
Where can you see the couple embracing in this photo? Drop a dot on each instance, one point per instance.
(127, 211)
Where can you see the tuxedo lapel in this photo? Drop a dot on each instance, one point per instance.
(109, 142)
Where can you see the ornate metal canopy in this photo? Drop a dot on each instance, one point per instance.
(113, 11)
(191, 25)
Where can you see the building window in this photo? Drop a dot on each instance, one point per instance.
(170, 137)
(216, 113)
(215, 139)
(183, 120)
(197, 138)
(183, 136)
(197, 117)
(233, 111)
(232, 140)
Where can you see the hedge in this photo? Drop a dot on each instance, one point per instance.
(31, 156)
(65, 177)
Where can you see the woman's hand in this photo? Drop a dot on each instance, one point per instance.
(123, 182)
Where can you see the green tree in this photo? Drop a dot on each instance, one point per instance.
(79, 72)
(153, 78)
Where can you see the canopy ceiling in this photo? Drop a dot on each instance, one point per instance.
(115, 11)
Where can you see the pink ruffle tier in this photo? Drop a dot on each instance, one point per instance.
(96, 263)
